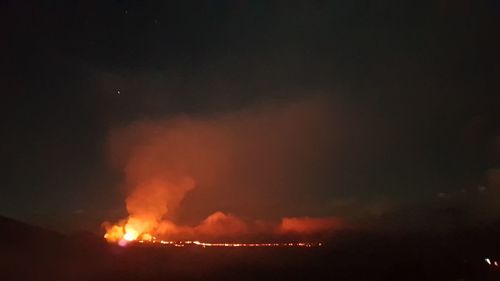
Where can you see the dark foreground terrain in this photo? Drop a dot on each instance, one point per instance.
(31, 253)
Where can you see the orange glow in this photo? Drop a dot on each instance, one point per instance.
(245, 162)
(308, 225)
(146, 237)
(230, 245)
(124, 233)
(217, 226)
(130, 236)
(114, 233)
(220, 224)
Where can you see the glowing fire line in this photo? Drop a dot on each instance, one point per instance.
(127, 235)
(207, 244)
(149, 239)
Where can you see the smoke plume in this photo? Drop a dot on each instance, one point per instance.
(255, 164)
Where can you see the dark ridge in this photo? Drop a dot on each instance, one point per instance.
(15, 234)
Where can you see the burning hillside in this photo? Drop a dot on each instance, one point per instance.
(221, 226)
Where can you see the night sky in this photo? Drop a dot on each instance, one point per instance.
(406, 95)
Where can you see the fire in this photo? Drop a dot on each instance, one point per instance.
(147, 237)
(124, 233)
(114, 233)
(231, 157)
(154, 241)
(130, 236)
(147, 205)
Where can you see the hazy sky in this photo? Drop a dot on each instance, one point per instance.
(355, 109)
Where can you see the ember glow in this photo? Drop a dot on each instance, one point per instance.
(153, 241)
(233, 245)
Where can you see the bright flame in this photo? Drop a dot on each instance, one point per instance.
(147, 237)
(125, 233)
(130, 236)
(114, 233)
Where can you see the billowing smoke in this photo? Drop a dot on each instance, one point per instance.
(230, 174)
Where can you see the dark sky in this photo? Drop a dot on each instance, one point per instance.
(412, 88)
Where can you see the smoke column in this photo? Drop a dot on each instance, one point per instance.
(254, 163)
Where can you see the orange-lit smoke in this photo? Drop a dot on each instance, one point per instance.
(255, 163)
(219, 223)
(308, 225)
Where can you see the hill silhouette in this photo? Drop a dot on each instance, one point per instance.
(29, 252)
